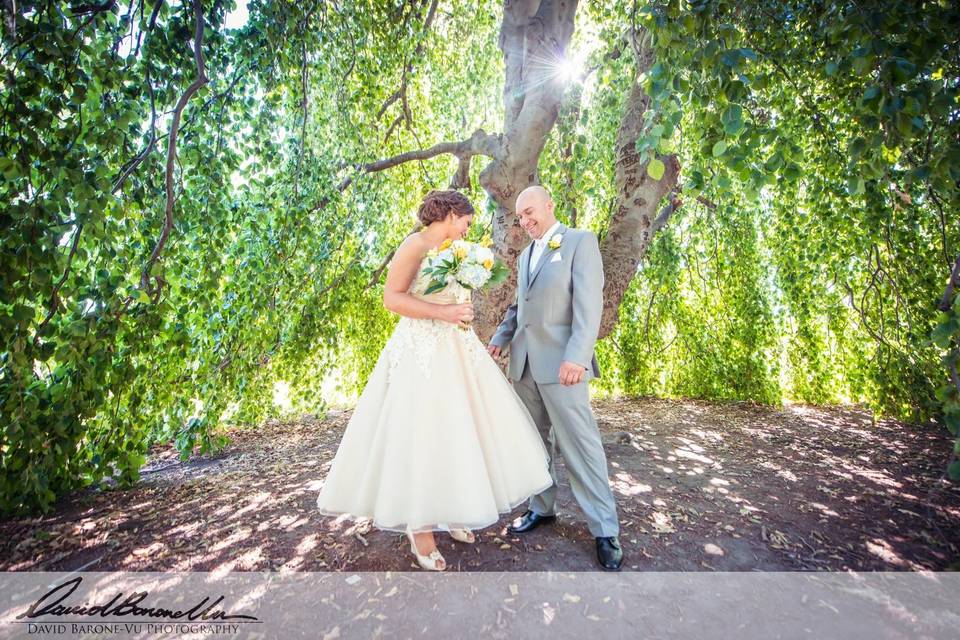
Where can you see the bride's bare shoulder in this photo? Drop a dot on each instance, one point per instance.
(417, 241)
(411, 250)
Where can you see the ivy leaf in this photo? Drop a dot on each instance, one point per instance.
(855, 185)
(942, 334)
(733, 127)
(656, 168)
(774, 162)
(952, 422)
(954, 470)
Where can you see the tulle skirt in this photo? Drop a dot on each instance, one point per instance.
(438, 439)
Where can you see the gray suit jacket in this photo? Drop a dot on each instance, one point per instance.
(556, 315)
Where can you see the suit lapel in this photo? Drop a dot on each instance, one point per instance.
(523, 265)
(547, 251)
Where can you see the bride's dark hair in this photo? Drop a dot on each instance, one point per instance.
(437, 204)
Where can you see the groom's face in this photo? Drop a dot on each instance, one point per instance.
(535, 214)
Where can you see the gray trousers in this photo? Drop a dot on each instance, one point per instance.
(565, 419)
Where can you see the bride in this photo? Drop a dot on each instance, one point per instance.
(438, 441)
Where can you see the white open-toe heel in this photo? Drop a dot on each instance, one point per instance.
(432, 562)
(463, 535)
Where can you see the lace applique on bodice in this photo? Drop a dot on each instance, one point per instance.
(418, 338)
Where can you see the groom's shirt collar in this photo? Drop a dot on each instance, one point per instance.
(539, 246)
(542, 240)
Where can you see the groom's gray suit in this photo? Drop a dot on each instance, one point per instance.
(556, 317)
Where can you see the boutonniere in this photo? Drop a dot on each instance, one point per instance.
(555, 241)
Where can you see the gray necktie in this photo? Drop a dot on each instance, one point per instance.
(538, 246)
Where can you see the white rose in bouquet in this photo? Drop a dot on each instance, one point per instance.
(483, 255)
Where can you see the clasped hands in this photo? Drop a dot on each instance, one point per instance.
(570, 373)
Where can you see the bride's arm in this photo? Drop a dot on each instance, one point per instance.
(396, 297)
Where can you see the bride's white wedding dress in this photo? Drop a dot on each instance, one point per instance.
(438, 440)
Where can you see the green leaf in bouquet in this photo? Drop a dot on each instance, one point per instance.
(498, 273)
(435, 285)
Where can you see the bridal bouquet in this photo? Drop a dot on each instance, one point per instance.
(464, 264)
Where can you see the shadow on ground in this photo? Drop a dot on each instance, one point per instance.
(700, 486)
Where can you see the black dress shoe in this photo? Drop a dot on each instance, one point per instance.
(609, 553)
(528, 522)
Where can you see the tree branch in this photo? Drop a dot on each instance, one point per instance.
(54, 298)
(195, 86)
(401, 93)
(84, 9)
(140, 157)
(946, 302)
(10, 18)
(480, 143)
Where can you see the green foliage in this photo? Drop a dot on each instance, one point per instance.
(267, 267)
(837, 128)
(946, 337)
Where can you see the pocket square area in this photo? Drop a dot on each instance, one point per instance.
(556, 258)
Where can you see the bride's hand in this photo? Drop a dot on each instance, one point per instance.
(457, 313)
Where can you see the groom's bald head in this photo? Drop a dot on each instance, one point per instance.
(534, 193)
(535, 210)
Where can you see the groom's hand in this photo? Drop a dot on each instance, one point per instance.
(493, 350)
(570, 373)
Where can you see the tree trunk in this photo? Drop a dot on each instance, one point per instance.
(532, 32)
(635, 220)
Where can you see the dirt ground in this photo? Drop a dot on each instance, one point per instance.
(701, 486)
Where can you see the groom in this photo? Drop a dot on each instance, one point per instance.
(551, 330)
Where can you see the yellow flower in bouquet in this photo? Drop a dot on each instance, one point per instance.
(461, 249)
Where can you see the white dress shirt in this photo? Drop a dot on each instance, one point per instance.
(540, 244)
